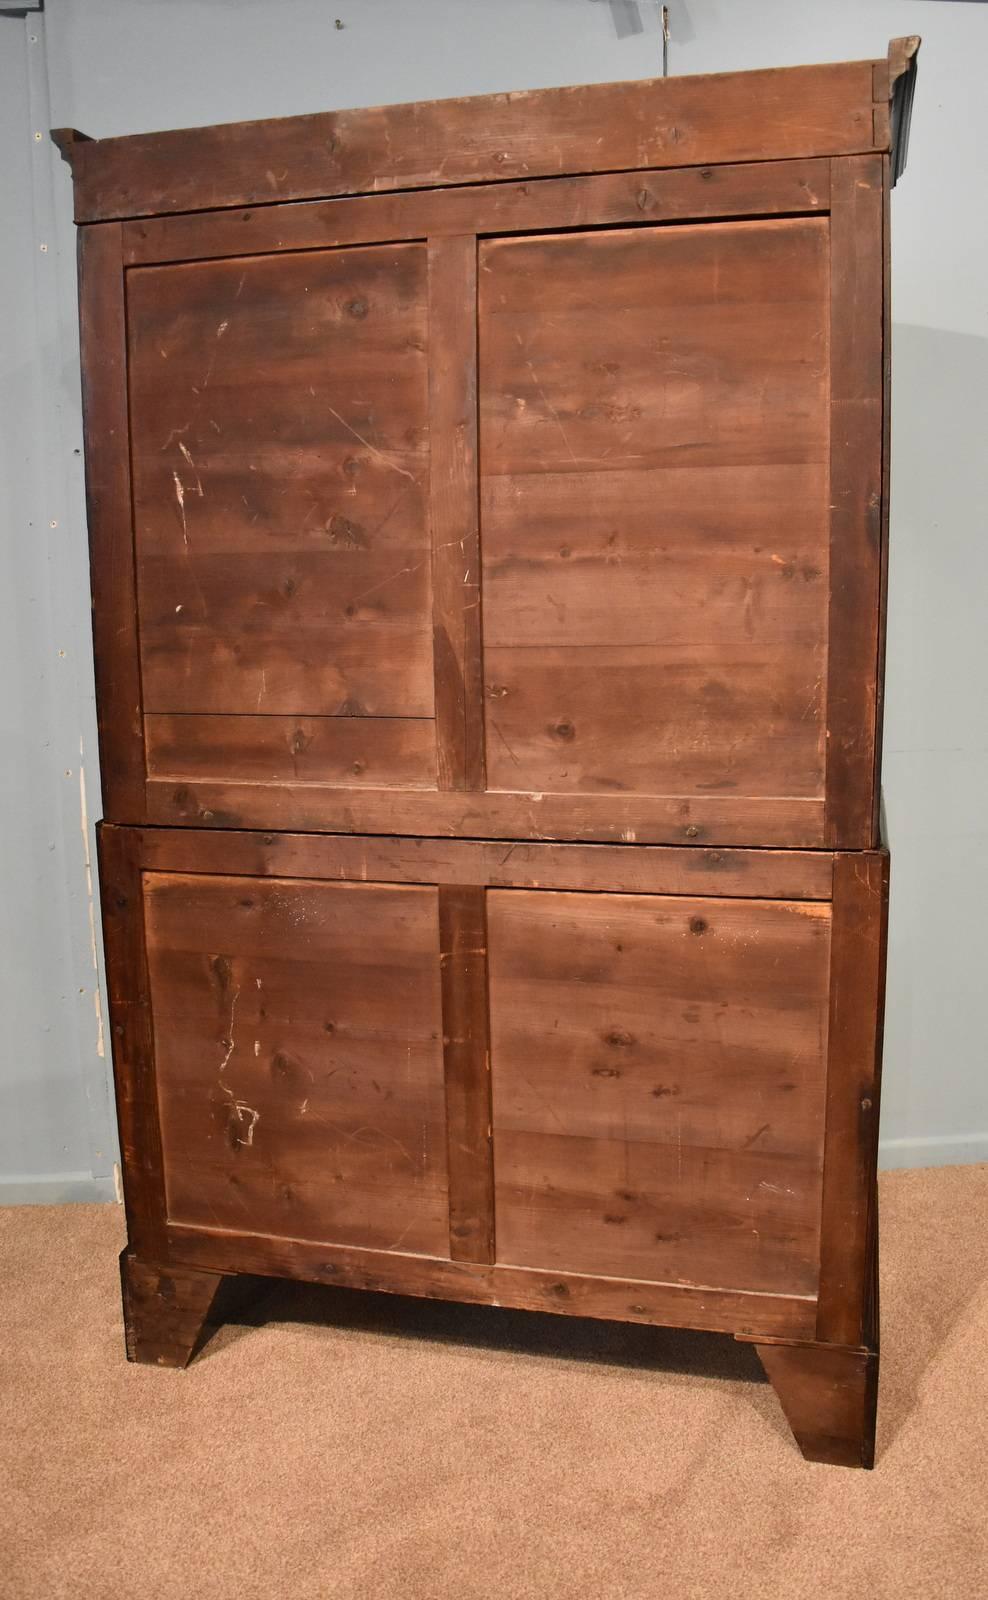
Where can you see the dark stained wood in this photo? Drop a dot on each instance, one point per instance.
(658, 1079)
(623, 869)
(298, 1057)
(489, 506)
(467, 1066)
(576, 202)
(675, 122)
(628, 819)
(901, 89)
(102, 335)
(876, 782)
(349, 752)
(165, 1310)
(454, 511)
(857, 999)
(655, 510)
(830, 1396)
(856, 384)
(280, 443)
(125, 960)
(614, 1299)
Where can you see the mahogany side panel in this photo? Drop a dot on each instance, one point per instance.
(674, 122)
(103, 343)
(761, 188)
(857, 1000)
(856, 476)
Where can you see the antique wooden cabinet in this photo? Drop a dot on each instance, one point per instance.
(487, 504)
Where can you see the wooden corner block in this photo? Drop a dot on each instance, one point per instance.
(829, 1394)
(165, 1310)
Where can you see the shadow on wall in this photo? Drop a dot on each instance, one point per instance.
(935, 1099)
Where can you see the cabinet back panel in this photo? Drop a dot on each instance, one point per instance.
(659, 1076)
(298, 1058)
(655, 525)
(280, 466)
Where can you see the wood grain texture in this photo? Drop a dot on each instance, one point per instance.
(454, 512)
(658, 1070)
(165, 1310)
(280, 443)
(298, 1058)
(629, 819)
(348, 752)
(125, 961)
(654, 513)
(572, 202)
(467, 1067)
(857, 999)
(103, 353)
(829, 1396)
(570, 1294)
(674, 122)
(623, 869)
(857, 274)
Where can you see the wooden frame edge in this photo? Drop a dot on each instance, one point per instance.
(497, 1284)
(848, 1239)
(109, 511)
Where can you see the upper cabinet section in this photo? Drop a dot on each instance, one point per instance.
(526, 509)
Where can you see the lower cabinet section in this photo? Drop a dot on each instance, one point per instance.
(628, 1082)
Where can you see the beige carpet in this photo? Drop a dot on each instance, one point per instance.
(366, 1447)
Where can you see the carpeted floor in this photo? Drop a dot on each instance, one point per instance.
(363, 1447)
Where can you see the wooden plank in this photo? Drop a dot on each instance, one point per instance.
(675, 122)
(502, 208)
(624, 869)
(355, 752)
(572, 1294)
(280, 448)
(829, 1396)
(297, 1031)
(659, 1076)
(876, 794)
(103, 342)
(853, 1087)
(856, 556)
(454, 512)
(654, 415)
(165, 1310)
(125, 956)
(467, 1065)
(629, 819)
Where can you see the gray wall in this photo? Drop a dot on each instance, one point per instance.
(122, 66)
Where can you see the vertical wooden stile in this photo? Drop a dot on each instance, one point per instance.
(454, 511)
(466, 1051)
(857, 993)
(855, 496)
(122, 901)
(103, 340)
